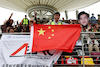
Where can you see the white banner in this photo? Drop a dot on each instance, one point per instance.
(15, 53)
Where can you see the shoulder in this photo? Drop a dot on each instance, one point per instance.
(47, 23)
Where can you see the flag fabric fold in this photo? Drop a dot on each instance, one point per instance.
(55, 37)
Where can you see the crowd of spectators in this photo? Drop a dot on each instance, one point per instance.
(9, 28)
(87, 24)
(23, 26)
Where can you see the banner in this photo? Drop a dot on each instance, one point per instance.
(15, 51)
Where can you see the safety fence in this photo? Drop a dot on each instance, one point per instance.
(85, 54)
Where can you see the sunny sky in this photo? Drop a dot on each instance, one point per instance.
(5, 13)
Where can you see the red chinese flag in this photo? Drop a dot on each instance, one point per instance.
(55, 37)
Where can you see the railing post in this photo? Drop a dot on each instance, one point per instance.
(82, 50)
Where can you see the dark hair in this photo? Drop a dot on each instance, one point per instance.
(93, 25)
(90, 29)
(57, 13)
(92, 13)
(31, 21)
(25, 15)
(10, 29)
(81, 13)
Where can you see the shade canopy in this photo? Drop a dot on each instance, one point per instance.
(45, 8)
(58, 5)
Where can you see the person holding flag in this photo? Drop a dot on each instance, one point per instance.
(51, 39)
(55, 35)
(56, 20)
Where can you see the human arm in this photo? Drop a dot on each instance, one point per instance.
(35, 17)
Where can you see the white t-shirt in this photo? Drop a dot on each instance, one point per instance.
(79, 43)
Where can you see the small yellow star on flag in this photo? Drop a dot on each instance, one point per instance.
(41, 31)
(52, 34)
(49, 37)
(52, 30)
(49, 27)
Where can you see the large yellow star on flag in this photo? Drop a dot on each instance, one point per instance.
(41, 31)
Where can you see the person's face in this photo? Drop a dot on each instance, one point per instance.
(18, 25)
(84, 28)
(97, 26)
(11, 31)
(25, 16)
(83, 20)
(11, 21)
(22, 30)
(30, 23)
(93, 27)
(62, 18)
(56, 16)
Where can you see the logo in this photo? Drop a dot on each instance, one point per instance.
(26, 49)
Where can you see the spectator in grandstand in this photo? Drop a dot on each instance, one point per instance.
(11, 30)
(93, 19)
(22, 30)
(79, 47)
(7, 29)
(2, 27)
(38, 21)
(8, 23)
(31, 23)
(63, 18)
(74, 21)
(25, 21)
(93, 41)
(97, 27)
(56, 20)
(16, 28)
(44, 20)
(77, 22)
(83, 18)
(19, 28)
(26, 29)
(93, 28)
(71, 22)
